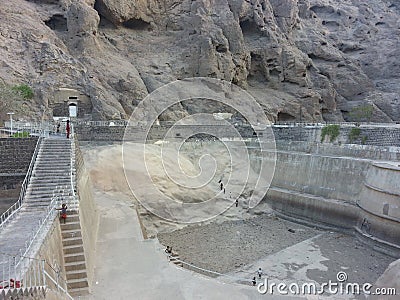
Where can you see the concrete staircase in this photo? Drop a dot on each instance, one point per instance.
(51, 178)
(51, 175)
(175, 259)
(74, 256)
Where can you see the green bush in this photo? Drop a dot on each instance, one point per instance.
(364, 140)
(354, 134)
(24, 90)
(330, 130)
(23, 134)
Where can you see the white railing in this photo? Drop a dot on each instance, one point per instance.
(42, 224)
(343, 124)
(72, 164)
(9, 213)
(102, 123)
(33, 128)
(29, 273)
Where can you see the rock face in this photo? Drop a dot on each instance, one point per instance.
(308, 60)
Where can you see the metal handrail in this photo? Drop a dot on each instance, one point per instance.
(35, 278)
(51, 214)
(72, 159)
(58, 286)
(6, 216)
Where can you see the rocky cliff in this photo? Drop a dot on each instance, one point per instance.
(301, 59)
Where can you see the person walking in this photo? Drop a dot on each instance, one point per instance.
(68, 129)
(63, 214)
(254, 281)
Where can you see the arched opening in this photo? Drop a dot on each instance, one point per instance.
(73, 110)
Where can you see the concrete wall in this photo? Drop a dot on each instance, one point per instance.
(51, 251)
(88, 213)
(340, 187)
(325, 176)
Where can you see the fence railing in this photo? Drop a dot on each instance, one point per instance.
(237, 123)
(9, 213)
(343, 124)
(30, 273)
(42, 224)
(102, 123)
(33, 128)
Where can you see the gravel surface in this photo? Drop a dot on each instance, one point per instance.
(238, 247)
(233, 244)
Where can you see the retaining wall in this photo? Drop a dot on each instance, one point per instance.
(88, 213)
(15, 157)
(16, 154)
(340, 187)
(369, 135)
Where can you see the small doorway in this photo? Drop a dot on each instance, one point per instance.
(73, 110)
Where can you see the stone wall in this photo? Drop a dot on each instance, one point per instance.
(15, 157)
(16, 154)
(376, 136)
(342, 150)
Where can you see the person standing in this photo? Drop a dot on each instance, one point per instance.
(63, 214)
(68, 129)
(259, 272)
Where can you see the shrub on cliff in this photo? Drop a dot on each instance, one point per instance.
(354, 134)
(24, 90)
(330, 130)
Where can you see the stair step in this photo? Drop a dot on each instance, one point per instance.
(70, 226)
(39, 186)
(73, 266)
(77, 283)
(74, 257)
(72, 242)
(47, 194)
(77, 274)
(72, 218)
(73, 249)
(71, 234)
(78, 292)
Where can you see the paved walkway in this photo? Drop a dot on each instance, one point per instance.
(129, 267)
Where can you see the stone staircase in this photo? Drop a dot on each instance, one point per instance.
(175, 259)
(74, 256)
(51, 175)
(51, 179)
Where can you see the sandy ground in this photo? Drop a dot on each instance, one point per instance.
(129, 267)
